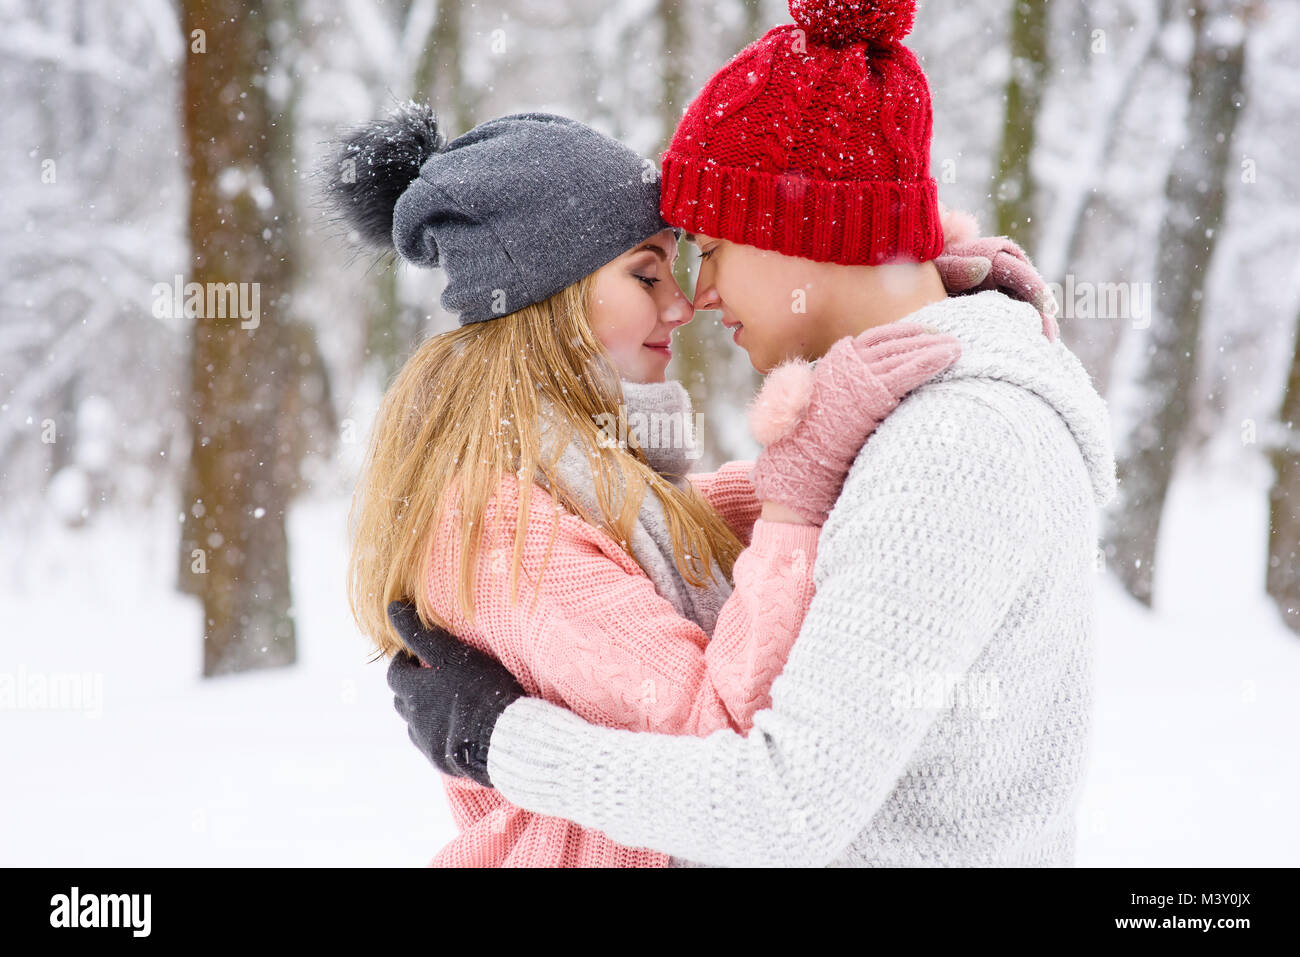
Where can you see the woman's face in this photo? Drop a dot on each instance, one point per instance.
(764, 297)
(636, 305)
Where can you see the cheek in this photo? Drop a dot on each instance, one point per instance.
(763, 304)
(621, 317)
(776, 328)
(752, 286)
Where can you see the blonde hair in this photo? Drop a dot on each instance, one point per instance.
(462, 412)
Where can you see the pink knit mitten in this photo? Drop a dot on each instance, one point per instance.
(814, 420)
(970, 263)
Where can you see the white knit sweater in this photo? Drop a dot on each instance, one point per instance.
(936, 707)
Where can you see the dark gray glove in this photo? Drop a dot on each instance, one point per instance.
(451, 707)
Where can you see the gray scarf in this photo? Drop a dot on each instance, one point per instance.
(652, 409)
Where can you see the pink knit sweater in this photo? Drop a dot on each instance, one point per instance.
(601, 641)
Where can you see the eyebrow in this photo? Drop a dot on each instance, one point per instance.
(654, 248)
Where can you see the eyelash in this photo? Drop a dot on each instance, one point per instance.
(704, 255)
(648, 281)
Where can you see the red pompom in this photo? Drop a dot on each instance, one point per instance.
(841, 22)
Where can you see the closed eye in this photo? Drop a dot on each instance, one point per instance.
(649, 281)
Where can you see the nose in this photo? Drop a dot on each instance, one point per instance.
(678, 310)
(706, 297)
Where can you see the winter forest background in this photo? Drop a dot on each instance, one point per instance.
(1142, 151)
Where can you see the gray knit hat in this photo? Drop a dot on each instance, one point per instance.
(515, 210)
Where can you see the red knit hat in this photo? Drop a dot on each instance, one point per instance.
(813, 141)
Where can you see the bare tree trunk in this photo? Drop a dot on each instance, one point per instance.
(1013, 190)
(439, 73)
(751, 21)
(1195, 192)
(1283, 581)
(672, 20)
(392, 327)
(309, 400)
(1081, 198)
(242, 370)
(1062, 240)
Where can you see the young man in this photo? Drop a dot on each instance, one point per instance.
(935, 708)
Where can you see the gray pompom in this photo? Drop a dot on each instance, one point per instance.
(376, 163)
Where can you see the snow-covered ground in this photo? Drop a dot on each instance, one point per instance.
(308, 765)
(1193, 759)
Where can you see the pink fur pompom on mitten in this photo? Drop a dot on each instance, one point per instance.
(814, 419)
(971, 263)
(781, 402)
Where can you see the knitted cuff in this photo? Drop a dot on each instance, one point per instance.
(536, 759)
(784, 538)
(848, 222)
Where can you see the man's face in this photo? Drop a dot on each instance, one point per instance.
(766, 299)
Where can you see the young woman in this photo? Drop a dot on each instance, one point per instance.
(602, 577)
(935, 709)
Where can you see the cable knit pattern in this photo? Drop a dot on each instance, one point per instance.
(603, 641)
(936, 709)
(812, 142)
(731, 494)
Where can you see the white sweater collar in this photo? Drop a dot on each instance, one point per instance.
(1002, 339)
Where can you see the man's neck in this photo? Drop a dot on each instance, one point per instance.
(884, 294)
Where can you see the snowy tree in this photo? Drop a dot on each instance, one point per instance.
(410, 49)
(1194, 197)
(1013, 190)
(244, 400)
(91, 196)
(1283, 580)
